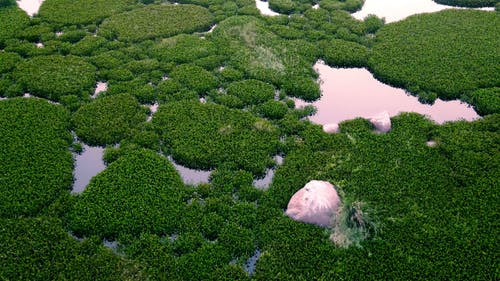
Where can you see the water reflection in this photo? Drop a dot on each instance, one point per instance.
(87, 164)
(31, 7)
(249, 266)
(395, 10)
(264, 9)
(191, 176)
(99, 88)
(348, 93)
(264, 182)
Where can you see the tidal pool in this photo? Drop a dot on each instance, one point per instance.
(348, 93)
(264, 9)
(395, 10)
(191, 176)
(99, 88)
(31, 7)
(264, 182)
(87, 164)
(249, 266)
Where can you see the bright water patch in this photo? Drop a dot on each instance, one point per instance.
(31, 7)
(99, 88)
(348, 93)
(87, 164)
(264, 182)
(264, 9)
(249, 266)
(153, 108)
(191, 176)
(395, 10)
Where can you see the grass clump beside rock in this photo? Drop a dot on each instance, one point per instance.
(450, 52)
(206, 136)
(156, 21)
(109, 119)
(139, 192)
(36, 163)
(55, 76)
(71, 12)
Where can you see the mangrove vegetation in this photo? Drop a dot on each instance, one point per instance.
(212, 85)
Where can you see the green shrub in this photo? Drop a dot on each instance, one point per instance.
(273, 109)
(342, 53)
(183, 48)
(206, 136)
(41, 249)
(457, 56)
(373, 23)
(8, 61)
(252, 91)
(139, 192)
(468, 3)
(156, 21)
(12, 21)
(301, 87)
(36, 165)
(78, 12)
(55, 76)
(485, 101)
(194, 78)
(108, 120)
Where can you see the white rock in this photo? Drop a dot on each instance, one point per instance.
(382, 122)
(315, 203)
(331, 128)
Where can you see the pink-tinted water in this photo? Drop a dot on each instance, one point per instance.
(395, 10)
(348, 93)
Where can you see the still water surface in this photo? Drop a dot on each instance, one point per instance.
(87, 164)
(348, 93)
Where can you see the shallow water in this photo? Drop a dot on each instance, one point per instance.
(87, 164)
(348, 93)
(264, 9)
(99, 88)
(249, 266)
(264, 182)
(395, 10)
(31, 7)
(191, 176)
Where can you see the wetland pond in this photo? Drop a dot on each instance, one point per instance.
(348, 93)
(87, 164)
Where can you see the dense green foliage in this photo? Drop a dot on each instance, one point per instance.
(55, 76)
(155, 21)
(36, 166)
(430, 210)
(109, 119)
(485, 101)
(40, 249)
(12, 21)
(139, 192)
(6, 3)
(342, 53)
(468, 3)
(431, 203)
(194, 78)
(69, 12)
(449, 53)
(251, 92)
(207, 136)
